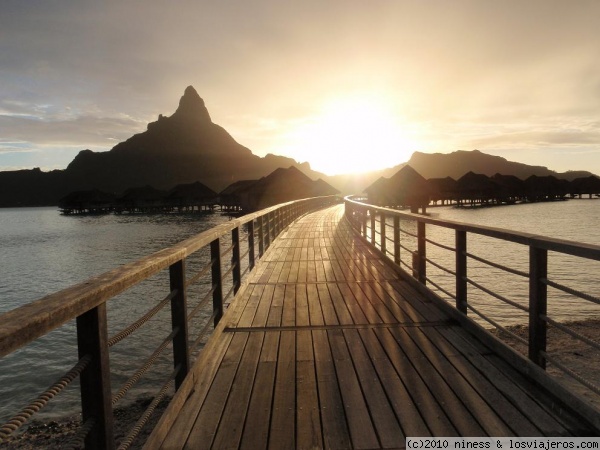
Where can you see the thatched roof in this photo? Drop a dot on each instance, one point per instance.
(93, 197)
(146, 193)
(279, 186)
(190, 193)
(322, 188)
(236, 187)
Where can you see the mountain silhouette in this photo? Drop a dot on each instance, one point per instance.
(187, 147)
(184, 148)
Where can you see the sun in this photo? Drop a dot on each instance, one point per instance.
(352, 134)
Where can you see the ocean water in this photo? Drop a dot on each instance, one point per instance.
(42, 252)
(574, 220)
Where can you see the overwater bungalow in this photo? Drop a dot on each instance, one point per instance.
(91, 201)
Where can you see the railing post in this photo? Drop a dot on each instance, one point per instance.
(397, 240)
(461, 270)
(251, 258)
(363, 217)
(382, 233)
(538, 296)
(235, 259)
(215, 257)
(372, 227)
(96, 396)
(179, 320)
(261, 237)
(421, 252)
(267, 225)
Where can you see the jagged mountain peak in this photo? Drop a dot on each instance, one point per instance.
(191, 106)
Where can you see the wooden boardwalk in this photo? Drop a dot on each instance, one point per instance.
(326, 348)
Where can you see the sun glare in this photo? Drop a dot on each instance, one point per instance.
(355, 134)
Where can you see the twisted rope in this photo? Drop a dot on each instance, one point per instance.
(588, 384)
(571, 332)
(23, 416)
(133, 434)
(498, 296)
(205, 328)
(498, 326)
(498, 266)
(138, 374)
(571, 291)
(78, 441)
(142, 320)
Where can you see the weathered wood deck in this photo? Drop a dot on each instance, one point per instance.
(326, 348)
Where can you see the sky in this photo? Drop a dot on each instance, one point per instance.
(346, 85)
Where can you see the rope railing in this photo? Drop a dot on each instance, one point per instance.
(141, 321)
(142, 370)
(200, 274)
(78, 440)
(497, 296)
(460, 286)
(498, 266)
(571, 291)
(201, 304)
(87, 303)
(42, 400)
(139, 425)
(437, 244)
(584, 381)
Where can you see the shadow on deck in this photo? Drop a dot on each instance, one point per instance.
(326, 347)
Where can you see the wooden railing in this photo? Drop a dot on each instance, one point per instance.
(87, 304)
(381, 227)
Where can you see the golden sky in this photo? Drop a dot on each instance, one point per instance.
(345, 84)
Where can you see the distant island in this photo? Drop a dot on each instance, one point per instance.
(187, 147)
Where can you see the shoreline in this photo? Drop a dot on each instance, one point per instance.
(573, 353)
(57, 434)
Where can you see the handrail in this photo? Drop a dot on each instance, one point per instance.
(87, 303)
(371, 222)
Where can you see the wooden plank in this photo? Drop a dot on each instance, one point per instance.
(433, 414)
(377, 304)
(229, 432)
(301, 305)
(344, 293)
(263, 308)
(333, 419)
(309, 433)
(400, 399)
(384, 419)
(256, 429)
(276, 272)
(519, 423)
(293, 274)
(282, 427)
(314, 305)
(275, 309)
(207, 422)
(506, 381)
(329, 314)
(362, 429)
(289, 306)
(339, 303)
(456, 411)
(484, 413)
(366, 308)
(246, 316)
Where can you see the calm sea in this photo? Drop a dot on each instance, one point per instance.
(42, 252)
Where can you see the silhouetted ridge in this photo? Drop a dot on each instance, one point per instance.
(191, 107)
